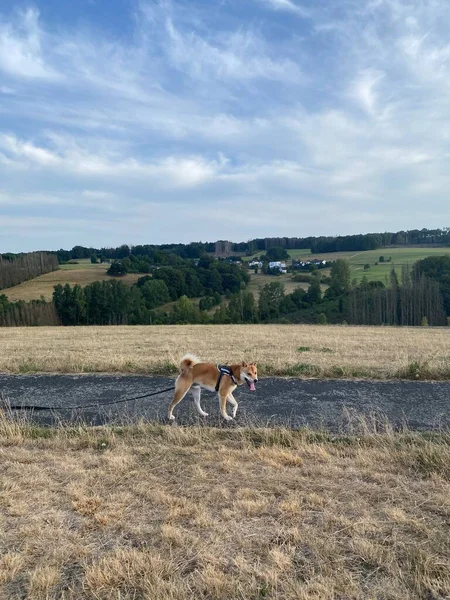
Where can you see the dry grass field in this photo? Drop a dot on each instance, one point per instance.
(166, 513)
(289, 350)
(44, 284)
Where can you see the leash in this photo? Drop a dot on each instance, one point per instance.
(83, 406)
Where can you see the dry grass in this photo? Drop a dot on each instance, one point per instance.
(169, 513)
(44, 284)
(258, 281)
(290, 350)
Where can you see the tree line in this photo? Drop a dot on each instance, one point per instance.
(214, 291)
(20, 313)
(157, 254)
(15, 269)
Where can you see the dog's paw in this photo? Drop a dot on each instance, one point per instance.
(227, 417)
(205, 414)
(171, 418)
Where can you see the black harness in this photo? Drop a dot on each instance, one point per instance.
(223, 370)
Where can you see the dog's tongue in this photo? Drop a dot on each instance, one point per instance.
(252, 386)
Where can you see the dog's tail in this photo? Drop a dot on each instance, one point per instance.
(188, 361)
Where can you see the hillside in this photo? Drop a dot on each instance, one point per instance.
(82, 273)
(377, 271)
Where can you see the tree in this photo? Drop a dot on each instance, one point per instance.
(276, 253)
(174, 279)
(314, 294)
(340, 278)
(184, 311)
(117, 269)
(155, 293)
(270, 298)
(436, 268)
(94, 259)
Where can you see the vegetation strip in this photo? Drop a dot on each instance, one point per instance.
(279, 350)
(173, 513)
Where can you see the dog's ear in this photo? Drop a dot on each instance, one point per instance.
(244, 364)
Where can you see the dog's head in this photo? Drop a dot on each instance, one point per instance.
(249, 374)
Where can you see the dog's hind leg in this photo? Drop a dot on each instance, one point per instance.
(196, 393)
(232, 400)
(182, 386)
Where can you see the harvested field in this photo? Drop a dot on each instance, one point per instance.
(164, 513)
(44, 284)
(290, 350)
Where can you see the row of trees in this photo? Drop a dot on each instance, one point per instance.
(20, 314)
(157, 254)
(17, 268)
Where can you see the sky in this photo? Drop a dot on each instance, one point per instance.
(159, 121)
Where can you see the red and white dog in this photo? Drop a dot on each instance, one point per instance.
(195, 375)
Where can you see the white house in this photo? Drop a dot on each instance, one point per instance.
(278, 266)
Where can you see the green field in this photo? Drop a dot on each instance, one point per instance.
(83, 263)
(357, 260)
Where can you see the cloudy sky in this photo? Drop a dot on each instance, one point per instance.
(152, 121)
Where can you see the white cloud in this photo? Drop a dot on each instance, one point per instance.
(240, 55)
(188, 114)
(289, 6)
(20, 48)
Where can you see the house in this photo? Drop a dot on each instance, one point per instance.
(306, 265)
(255, 263)
(278, 266)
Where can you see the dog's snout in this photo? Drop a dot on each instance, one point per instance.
(255, 380)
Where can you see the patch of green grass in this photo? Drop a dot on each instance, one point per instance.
(302, 369)
(303, 349)
(27, 366)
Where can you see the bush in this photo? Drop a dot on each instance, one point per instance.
(424, 322)
(117, 269)
(322, 318)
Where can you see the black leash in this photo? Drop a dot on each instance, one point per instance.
(83, 406)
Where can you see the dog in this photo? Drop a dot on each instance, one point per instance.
(195, 375)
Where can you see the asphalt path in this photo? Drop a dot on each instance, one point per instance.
(334, 405)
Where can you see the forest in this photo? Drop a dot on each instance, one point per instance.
(16, 268)
(185, 284)
(213, 291)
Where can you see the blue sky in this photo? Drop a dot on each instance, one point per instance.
(152, 121)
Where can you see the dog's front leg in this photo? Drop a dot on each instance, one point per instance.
(223, 406)
(234, 404)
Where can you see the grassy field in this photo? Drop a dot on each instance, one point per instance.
(166, 513)
(357, 260)
(82, 273)
(259, 280)
(290, 350)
